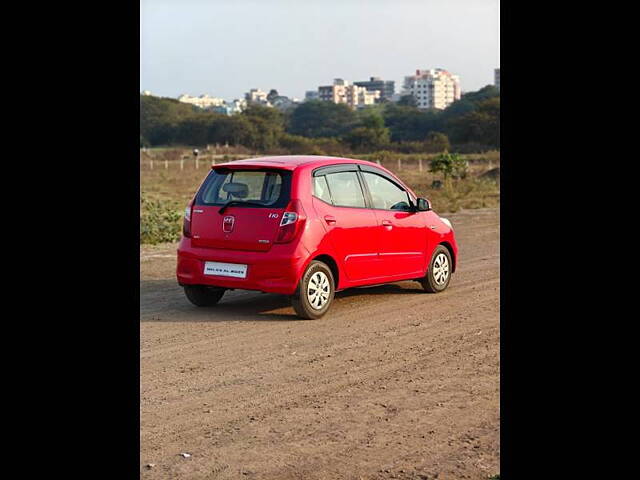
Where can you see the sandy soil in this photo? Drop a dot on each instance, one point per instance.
(392, 383)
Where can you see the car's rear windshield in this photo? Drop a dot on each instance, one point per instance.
(257, 188)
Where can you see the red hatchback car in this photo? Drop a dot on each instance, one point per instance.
(307, 227)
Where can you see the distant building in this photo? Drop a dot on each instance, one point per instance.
(283, 103)
(203, 101)
(255, 95)
(231, 108)
(496, 78)
(386, 88)
(352, 95)
(147, 93)
(225, 109)
(434, 88)
(311, 95)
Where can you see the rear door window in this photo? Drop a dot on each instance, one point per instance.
(386, 195)
(345, 189)
(266, 188)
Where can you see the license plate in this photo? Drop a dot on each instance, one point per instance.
(225, 269)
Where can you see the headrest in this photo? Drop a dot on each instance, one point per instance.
(240, 190)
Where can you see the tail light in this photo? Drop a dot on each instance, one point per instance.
(186, 224)
(292, 222)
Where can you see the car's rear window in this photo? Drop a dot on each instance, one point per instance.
(267, 188)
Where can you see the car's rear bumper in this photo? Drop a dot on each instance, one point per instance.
(275, 271)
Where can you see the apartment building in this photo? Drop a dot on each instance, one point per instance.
(203, 101)
(255, 95)
(352, 95)
(310, 95)
(496, 78)
(231, 108)
(434, 88)
(284, 103)
(386, 88)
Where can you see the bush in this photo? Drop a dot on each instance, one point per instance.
(160, 220)
(437, 142)
(450, 165)
(409, 147)
(331, 146)
(471, 147)
(296, 144)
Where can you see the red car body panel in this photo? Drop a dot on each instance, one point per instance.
(368, 246)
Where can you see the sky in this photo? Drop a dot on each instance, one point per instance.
(226, 47)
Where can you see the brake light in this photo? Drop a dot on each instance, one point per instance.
(186, 224)
(292, 222)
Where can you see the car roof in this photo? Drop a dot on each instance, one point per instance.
(291, 162)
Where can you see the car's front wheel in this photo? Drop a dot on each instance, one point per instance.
(439, 272)
(202, 296)
(315, 291)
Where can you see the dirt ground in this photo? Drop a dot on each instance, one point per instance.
(392, 383)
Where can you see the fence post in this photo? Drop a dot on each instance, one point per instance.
(378, 162)
(399, 164)
(420, 164)
(197, 164)
(166, 164)
(182, 163)
(151, 163)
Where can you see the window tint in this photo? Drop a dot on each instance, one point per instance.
(321, 189)
(263, 187)
(345, 189)
(385, 194)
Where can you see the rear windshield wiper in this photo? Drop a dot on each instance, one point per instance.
(238, 202)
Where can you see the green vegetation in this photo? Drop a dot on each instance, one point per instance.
(160, 220)
(471, 124)
(450, 165)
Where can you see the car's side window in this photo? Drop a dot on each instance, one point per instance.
(385, 194)
(321, 189)
(345, 189)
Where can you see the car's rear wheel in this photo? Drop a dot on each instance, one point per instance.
(202, 296)
(315, 292)
(439, 272)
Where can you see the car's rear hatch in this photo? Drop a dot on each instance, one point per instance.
(259, 194)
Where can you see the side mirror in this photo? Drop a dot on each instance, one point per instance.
(423, 205)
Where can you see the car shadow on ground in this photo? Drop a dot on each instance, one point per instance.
(164, 301)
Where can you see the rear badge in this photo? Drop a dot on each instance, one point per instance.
(263, 241)
(227, 223)
(273, 215)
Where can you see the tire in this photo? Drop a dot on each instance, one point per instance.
(436, 280)
(202, 296)
(306, 306)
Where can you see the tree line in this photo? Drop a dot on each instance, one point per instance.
(470, 124)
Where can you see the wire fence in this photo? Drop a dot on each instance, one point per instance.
(206, 161)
